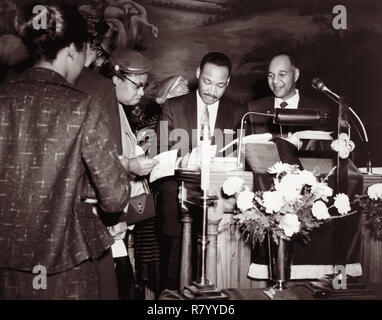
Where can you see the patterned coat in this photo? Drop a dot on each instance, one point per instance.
(50, 138)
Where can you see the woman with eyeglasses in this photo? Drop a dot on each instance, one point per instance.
(53, 140)
(129, 72)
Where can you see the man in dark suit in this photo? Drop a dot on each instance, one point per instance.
(283, 73)
(180, 127)
(185, 113)
(311, 259)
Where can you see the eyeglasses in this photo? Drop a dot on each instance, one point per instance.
(138, 85)
(101, 52)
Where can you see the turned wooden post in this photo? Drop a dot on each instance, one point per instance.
(212, 232)
(185, 262)
(186, 267)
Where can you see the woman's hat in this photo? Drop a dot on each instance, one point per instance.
(130, 61)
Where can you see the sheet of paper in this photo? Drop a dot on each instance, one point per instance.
(253, 138)
(166, 166)
(374, 170)
(313, 134)
(118, 249)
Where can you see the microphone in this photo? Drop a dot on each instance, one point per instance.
(319, 85)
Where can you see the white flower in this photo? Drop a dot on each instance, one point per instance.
(375, 191)
(307, 178)
(233, 185)
(289, 187)
(250, 215)
(342, 203)
(322, 191)
(280, 167)
(320, 210)
(272, 201)
(240, 217)
(290, 224)
(245, 200)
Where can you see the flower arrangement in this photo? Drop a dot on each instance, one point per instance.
(296, 204)
(371, 202)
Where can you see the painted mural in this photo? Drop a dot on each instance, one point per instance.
(176, 34)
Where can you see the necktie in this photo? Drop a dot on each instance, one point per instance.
(205, 119)
(283, 104)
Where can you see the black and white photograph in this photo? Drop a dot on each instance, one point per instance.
(190, 154)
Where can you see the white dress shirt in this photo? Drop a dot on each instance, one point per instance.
(212, 112)
(292, 104)
(291, 101)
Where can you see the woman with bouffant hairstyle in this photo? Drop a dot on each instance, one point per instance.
(64, 25)
(53, 143)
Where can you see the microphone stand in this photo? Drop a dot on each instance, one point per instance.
(239, 165)
(337, 99)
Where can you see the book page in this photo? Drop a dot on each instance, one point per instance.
(165, 167)
(118, 249)
(313, 135)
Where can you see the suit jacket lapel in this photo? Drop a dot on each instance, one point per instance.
(191, 114)
(222, 115)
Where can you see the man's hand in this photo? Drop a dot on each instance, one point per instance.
(118, 231)
(141, 166)
(184, 161)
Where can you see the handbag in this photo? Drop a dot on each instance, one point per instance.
(141, 207)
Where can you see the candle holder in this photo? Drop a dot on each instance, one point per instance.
(202, 282)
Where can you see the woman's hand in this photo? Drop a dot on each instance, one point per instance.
(141, 166)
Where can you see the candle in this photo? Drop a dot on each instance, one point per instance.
(205, 159)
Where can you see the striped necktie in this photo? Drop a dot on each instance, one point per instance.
(205, 119)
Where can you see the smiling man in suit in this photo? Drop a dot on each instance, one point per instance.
(283, 74)
(180, 127)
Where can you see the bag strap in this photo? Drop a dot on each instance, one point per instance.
(146, 186)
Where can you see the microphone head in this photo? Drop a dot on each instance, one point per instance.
(318, 84)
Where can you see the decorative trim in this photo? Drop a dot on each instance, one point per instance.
(260, 271)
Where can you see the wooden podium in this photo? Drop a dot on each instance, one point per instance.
(219, 256)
